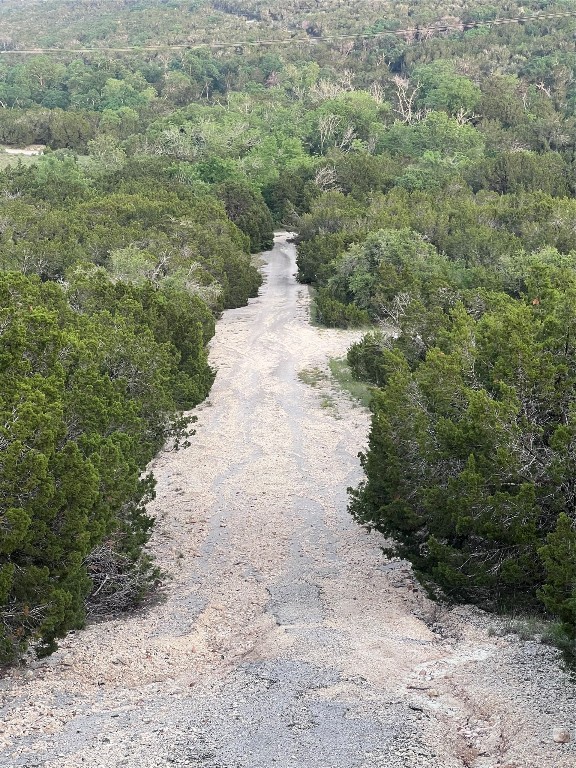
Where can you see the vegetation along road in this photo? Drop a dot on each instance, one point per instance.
(285, 638)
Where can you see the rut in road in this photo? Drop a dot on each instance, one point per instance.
(285, 637)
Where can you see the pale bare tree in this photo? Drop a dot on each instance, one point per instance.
(542, 87)
(346, 47)
(406, 98)
(327, 125)
(326, 89)
(347, 80)
(326, 178)
(348, 137)
(377, 92)
(391, 313)
(464, 116)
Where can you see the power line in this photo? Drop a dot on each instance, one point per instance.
(418, 33)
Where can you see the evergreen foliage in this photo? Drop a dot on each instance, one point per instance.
(430, 177)
(470, 464)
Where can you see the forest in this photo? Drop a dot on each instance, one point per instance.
(425, 156)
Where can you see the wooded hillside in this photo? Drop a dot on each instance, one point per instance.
(426, 157)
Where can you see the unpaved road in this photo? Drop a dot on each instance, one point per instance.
(285, 638)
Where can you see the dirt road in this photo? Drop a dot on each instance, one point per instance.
(285, 637)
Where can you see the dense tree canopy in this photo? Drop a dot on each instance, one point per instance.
(428, 166)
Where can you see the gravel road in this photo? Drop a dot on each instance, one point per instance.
(285, 637)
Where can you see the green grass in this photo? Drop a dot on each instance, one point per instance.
(526, 627)
(315, 377)
(557, 635)
(329, 403)
(7, 160)
(538, 629)
(345, 380)
(341, 379)
(311, 376)
(313, 309)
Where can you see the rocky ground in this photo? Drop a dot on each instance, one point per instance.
(284, 636)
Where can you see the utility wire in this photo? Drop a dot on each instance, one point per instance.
(420, 33)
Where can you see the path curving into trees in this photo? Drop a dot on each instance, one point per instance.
(285, 637)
